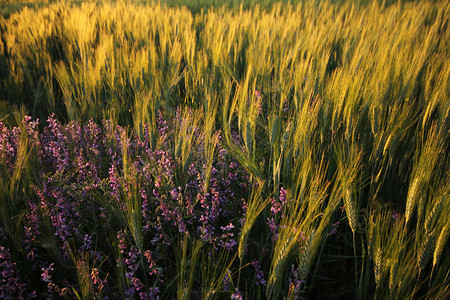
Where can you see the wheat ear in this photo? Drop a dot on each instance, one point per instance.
(433, 216)
(425, 251)
(440, 244)
(378, 268)
(350, 210)
(305, 261)
(412, 198)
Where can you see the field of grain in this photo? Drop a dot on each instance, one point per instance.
(283, 150)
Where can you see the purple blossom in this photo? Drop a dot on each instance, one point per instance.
(334, 228)
(295, 284)
(100, 285)
(52, 288)
(257, 94)
(227, 244)
(163, 128)
(260, 280)
(10, 286)
(45, 275)
(122, 241)
(8, 145)
(277, 207)
(228, 227)
(31, 230)
(285, 106)
(273, 228)
(80, 164)
(87, 243)
(237, 295)
(395, 215)
(129, 293)
(226, 282)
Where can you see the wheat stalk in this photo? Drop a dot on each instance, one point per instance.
(249, 138)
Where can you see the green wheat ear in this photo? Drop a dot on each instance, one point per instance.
(393, 275)
(281, 255)
(274, 130)
(423, 170)
(350, 210)
(433, 215)
(349, 164)
(370, 235)
(411, 200)
(305, 257)
(254, 209)
(426, 251)
(379, 266)
(440, 244)
(374, 119)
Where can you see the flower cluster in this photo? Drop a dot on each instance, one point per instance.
(97, 179)
(10, 285)
(295, 284)
(260, 280)
(276, 210)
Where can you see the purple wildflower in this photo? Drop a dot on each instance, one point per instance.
(395, 215)
(285, 106)
(260, 280)
(334, 228)
(237, 295)
(295, 284)
(10, 286)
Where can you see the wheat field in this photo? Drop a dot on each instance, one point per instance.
(269, 150)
